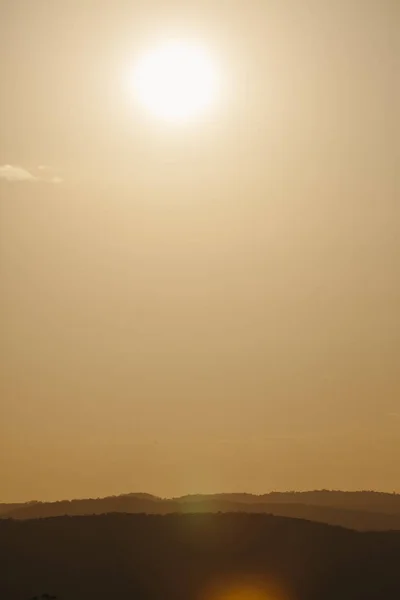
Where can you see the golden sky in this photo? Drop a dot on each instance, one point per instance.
(213, 306)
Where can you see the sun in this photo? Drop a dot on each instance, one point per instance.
(176, 81)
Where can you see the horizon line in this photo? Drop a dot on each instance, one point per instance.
(208, 494)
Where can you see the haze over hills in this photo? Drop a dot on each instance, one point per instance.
(7, 508)
(361, 500)
(185, 557)
(356, 510)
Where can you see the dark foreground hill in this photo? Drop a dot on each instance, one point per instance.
(364, 511)
(195, 557)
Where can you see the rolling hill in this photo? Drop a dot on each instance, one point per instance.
(363, 511)
(191, 557)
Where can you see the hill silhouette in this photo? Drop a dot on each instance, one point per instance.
(359, 510)
(8, 508)
(185, 557)
(363, 500)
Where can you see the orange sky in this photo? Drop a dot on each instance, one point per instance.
(209, 307)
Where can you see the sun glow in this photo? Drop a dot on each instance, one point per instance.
(176, 81)
(250, 588)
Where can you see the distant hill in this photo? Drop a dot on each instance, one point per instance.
(142, 496)
(363, 500)
(8, 508)
(131, 503)
(366, 500)
(191, 557)
(361, 510)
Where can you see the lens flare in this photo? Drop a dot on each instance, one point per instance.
(248, 588)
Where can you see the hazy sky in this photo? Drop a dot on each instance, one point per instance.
(213, 306)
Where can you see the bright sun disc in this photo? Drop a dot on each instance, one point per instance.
(176, 81)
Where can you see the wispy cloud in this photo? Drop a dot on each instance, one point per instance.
(15, 174)
(12, 173)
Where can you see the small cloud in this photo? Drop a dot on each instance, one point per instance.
(11, 173)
